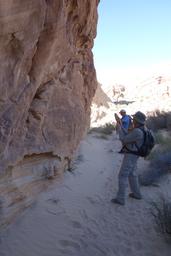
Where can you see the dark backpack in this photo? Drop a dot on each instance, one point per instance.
(148, 144)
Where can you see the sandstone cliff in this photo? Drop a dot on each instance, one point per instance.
(47, 81)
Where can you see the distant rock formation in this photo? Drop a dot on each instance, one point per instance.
(101, 98)
(116, 92)
(102, 109)
(101, 105)
(150, 94)
(47, 82)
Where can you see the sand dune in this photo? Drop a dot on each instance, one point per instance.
(75, 216)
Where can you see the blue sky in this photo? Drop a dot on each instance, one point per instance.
(132, 34)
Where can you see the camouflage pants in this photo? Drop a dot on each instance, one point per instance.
(127, 174)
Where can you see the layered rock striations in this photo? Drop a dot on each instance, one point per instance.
(47, 81)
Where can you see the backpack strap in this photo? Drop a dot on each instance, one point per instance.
(133, 151)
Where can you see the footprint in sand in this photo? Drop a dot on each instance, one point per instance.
(69, 243)
(91, 200)
(91, 233)
(138, 245)
(76, 224)
(53, 200)
(84, 215)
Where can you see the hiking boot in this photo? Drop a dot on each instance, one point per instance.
(116, 201)
(135, 197)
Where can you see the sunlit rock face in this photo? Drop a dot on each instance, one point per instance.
(100, 107)
(47, 81)
(150, 93)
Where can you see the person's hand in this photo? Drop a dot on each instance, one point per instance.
(118, 120)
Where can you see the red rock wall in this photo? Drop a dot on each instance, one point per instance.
(47, 81)
(47, 76)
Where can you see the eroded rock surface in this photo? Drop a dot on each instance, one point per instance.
(47, 81)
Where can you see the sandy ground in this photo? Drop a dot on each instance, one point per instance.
(75, 216)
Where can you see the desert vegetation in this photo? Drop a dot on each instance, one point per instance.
(160, 157)
(159, 120)
(160, 167)
(161, 212)
(106, 129)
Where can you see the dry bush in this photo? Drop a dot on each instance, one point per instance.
(160, 160)
(107, 129)
(74, 163)
(161, 212)
(102, 136)
(163, 137)
(163, 140)
(160, 165)
(159, 120)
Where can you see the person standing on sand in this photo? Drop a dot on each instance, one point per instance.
(131, 141)
(125, 121)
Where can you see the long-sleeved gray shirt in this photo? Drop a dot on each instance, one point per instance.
(131, 139)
